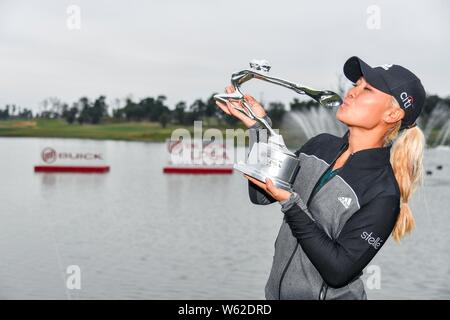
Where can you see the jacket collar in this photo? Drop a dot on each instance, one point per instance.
(367, 158)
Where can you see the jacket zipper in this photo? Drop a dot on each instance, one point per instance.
(341, 151)
(323, 291)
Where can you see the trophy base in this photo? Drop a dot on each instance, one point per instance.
(261, 176)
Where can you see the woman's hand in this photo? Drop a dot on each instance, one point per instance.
(229, 108)
(276, 193)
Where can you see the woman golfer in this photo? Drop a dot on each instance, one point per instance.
(351, 192)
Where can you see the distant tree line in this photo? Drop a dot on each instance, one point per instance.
(12, 111)
(86, 111)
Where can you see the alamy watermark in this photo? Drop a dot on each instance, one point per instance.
(73, 280)
(212, 147)
(373, 281)
(373, 21)
(73, 21)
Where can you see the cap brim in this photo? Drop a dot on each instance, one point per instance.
(355, 68)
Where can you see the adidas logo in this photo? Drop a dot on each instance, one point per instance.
(345, 201)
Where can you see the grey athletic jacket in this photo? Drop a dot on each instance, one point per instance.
(327, 238)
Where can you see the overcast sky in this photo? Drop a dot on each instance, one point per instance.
(188, 49)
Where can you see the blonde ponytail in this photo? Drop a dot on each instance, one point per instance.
(407, 163)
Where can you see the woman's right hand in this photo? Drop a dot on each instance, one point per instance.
(229, 108)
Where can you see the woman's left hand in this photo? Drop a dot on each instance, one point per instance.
(276, 193)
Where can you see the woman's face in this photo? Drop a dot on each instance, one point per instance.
(364, 106)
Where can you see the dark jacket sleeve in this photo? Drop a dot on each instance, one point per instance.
(340, 260)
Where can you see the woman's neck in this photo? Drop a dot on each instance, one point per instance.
(361, 139)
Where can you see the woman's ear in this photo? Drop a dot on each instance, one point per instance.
(394, 115)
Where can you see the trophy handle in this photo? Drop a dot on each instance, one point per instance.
(259, 71)
(236, 96)
(247, 110)
(237, 79)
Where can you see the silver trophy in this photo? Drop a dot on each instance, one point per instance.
(272, 159)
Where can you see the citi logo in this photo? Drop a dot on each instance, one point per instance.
(376, 243)
(407, 100)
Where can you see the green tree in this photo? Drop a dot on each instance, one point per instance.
(25, 114)
(130, 110)
(297, 105)
(198, 108)
(4, 114)
(180, 112)
(164, 119)
(85, 116)
(276, 112)
(159, 108)
(99, 110)
(70, 114)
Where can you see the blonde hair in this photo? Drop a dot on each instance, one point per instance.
(407, 163)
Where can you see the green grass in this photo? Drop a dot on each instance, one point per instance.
(58, 128)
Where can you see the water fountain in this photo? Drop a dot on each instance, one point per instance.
(305, 124)
(437, 127)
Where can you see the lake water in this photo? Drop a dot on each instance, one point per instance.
(136, 233)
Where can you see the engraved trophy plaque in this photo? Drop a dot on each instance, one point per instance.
(272, 159)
